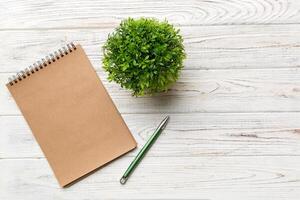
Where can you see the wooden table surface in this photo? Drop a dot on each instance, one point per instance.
(234, 131)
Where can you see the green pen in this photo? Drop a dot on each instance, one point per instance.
(144, 150)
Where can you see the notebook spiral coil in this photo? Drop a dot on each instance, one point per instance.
(44, 62)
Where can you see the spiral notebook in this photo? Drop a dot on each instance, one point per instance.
(70, 114)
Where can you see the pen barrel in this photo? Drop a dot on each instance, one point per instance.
(142, 153)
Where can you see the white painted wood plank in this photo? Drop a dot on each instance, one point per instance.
(255, 90)
(207, 47)
(247, 178)
(99, 13)
(188, 134)
(225, 154)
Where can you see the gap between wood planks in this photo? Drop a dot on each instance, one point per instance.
(193, 69)
(190, 112)
(169, 156)
(176, 25)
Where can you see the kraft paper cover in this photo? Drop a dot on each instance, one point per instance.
(72, 117)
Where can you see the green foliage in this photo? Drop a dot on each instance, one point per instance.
(144, 55)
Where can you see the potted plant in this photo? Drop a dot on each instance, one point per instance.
(144, 55)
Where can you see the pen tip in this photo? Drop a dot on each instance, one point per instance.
(164, 121)
(167, 117)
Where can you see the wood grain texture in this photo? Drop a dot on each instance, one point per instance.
(188, 134)
(247, 178)
(255, 90)
(207, 47)
(76, 14)
(234, 131)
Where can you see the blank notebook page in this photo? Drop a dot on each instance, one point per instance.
(71, 116)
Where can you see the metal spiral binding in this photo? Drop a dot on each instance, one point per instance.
(44, 62)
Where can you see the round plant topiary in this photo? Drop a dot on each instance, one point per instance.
(144, 55)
